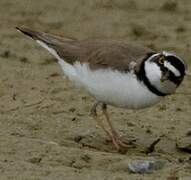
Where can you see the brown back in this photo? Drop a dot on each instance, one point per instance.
(98, 53)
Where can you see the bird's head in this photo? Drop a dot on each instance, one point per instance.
(164, 71)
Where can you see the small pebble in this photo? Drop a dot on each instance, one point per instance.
(145, 166)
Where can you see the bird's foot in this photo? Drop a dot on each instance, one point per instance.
(122, 144)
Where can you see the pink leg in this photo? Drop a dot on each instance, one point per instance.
(114, 133)
(100, 124)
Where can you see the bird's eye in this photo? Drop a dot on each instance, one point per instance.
(161, 60)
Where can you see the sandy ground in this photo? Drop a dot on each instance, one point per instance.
(45, 128)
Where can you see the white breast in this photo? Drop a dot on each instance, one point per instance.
(112, 87)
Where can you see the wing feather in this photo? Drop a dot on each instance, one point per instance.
(113, 54)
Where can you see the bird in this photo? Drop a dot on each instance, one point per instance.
(115, 73)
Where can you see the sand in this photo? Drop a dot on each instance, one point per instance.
(45, 128)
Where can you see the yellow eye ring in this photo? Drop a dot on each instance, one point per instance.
(161, 60)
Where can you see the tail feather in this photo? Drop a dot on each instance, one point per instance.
(60, 47)
(57, 46)
(44, 37)
(33, 34)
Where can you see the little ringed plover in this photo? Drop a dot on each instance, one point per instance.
(115, 72)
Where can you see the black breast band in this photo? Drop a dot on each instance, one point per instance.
(142, 76)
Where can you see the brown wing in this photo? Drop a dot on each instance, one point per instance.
(98, 53)
(112, 54)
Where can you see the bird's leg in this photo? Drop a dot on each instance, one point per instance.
(105, 113)
(100, 123)
(115, 135)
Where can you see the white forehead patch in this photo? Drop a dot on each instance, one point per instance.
(172, 68)
(150, 58)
